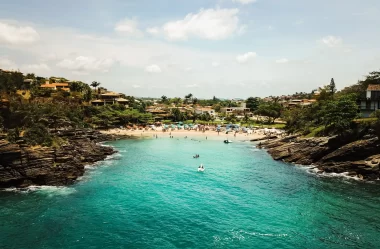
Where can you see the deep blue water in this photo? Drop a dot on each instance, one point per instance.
(151, 196)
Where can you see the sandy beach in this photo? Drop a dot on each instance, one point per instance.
(212, 135)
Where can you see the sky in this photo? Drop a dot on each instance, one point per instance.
(222, 48)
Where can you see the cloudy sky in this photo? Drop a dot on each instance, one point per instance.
(227, 48)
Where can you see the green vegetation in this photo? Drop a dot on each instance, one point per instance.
(271, 110)
(34, 114)
(334, 113)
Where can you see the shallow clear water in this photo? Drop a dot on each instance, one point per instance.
(151, 196)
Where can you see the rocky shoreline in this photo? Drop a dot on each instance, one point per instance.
(22, 165)
(359, 158)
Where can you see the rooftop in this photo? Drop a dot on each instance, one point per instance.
(60, 84)
(113, 94)
(48, 86)
(373, 88)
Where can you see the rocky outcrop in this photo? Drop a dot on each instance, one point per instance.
(21, 165)
(330, 154)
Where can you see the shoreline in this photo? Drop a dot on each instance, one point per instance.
(211, 135)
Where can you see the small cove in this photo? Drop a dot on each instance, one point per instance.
(150, 195)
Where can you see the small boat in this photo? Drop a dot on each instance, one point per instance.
(201, 168)
(227, 141)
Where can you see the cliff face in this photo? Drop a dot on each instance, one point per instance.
(21, 166)
(329, 154)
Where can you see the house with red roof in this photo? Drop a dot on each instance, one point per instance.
(372, 101)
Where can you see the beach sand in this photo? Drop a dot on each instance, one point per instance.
(210, 135)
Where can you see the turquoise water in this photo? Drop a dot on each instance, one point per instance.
(151, 196)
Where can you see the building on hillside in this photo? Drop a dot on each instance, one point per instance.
(238, 111)
(372, 101)
(48, 86)
(204, 110)
(297, 103)
(56, 86)
(158, 113)
(28, 81)
(110, 98)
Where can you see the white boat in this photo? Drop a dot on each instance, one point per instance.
(201, 168)
(227, 141)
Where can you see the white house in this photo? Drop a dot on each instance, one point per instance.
(372, 101)
(242, 110)
(205, 110)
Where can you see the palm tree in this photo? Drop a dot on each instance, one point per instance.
(188, 97)
(95, 84)
(164, 99)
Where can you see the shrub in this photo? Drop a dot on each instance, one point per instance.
(38, 135)
(13, 135)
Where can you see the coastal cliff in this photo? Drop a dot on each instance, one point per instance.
(330, 154)
(22, 165)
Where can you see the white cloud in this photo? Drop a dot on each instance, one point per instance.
(15, 35)
(128, 27)
(83, 64)
(7, 64)
(243, 58)
(331, 41)
(153, 31)
(136, 86)
(215, 64)
(188, 69)
(281, 61)
(37, 67)
(270, 28)
(244, 1)
(153, 69)
(211, 24)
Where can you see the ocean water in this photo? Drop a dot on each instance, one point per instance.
(150, 195)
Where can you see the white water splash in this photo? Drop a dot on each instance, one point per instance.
(50, 191)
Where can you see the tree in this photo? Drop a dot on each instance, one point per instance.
(176, 101)
(246, 118)
(271, 110)
(38, 134)
(87, 93)
(95, 84)
(188, 98)
(332, 87)
(164, 99)
(177, 115)
(338, 114)
(252, 103)
(77, 86)
(217, 107)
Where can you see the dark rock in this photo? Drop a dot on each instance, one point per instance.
(330, 154)
(22, 166)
